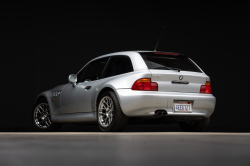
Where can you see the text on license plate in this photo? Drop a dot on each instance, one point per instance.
(183, 106)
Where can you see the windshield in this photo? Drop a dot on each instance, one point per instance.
(168, 62)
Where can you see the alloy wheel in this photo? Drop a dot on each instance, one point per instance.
(105, 111)
(41, 116)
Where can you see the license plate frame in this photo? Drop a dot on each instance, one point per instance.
(183, 106)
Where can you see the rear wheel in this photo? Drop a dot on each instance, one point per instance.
(195, 126)
(109, 114)
(41, 117)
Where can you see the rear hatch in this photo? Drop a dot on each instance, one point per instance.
(174, 72)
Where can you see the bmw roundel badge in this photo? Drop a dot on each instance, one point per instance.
(181, 77)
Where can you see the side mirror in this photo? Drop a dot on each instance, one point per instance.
(73, 79)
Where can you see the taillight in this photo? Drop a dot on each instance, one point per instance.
(206, 88)
(145, 84)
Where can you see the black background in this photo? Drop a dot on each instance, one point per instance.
(41, 44)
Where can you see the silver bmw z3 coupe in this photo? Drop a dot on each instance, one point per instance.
(115, 89)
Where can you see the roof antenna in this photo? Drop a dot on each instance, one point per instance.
(159, 38)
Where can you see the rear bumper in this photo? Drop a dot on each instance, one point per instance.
(145, 103)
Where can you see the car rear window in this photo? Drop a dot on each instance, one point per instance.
(166, 62)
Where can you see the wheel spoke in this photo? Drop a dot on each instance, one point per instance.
(49, 122)
(41, 108)
(105, 121)
(103, 106)
(109, 120)
(38, 110)
(105, 118)
(110, 103)
(105, 103)
(46, 123)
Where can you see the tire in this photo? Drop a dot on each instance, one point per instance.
(110, 118)
(195, 126)
(41, 117)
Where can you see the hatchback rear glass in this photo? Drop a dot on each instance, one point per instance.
(168, 62)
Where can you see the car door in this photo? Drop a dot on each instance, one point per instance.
(76, 99)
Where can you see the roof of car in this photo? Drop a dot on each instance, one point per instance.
(145, 51)
(132, 53)
(137, 51)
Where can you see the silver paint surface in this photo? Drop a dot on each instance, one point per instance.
(77, 100)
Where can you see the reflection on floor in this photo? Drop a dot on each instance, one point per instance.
(124, 148)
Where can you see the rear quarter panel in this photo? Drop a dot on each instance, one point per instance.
(123, 81)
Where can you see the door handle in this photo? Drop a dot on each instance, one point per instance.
(180, 82)
(87, 87)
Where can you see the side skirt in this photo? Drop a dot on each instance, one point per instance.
(75, 117)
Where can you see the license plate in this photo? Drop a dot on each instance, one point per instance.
(182, 106)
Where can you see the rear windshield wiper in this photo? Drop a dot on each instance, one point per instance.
(171, 68)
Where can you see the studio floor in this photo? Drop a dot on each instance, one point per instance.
(124, 148)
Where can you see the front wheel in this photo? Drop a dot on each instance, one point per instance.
(195, 126)
(109, 114)
(41, 117)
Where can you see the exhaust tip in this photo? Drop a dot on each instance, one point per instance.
(161, 113)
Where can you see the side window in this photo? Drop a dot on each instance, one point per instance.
(93, 70)
(118, 65)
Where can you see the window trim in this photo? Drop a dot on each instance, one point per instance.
(87, 65)
(105, 69)
(82, 70)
